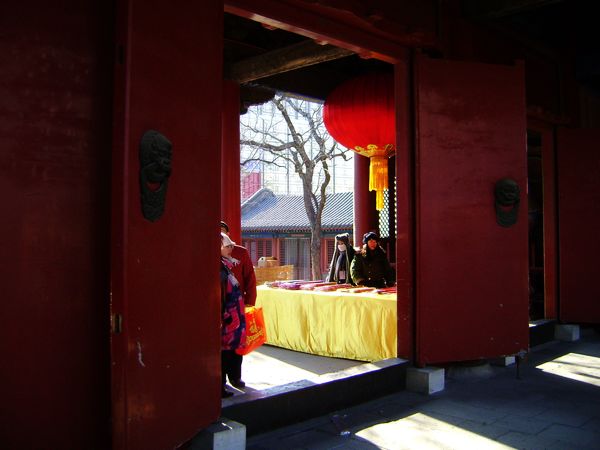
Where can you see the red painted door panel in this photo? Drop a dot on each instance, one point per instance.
(166, 359)
(471, 274)
(579, 222)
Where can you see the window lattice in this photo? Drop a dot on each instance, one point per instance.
(330, 247)
(269, 247)
(258, 248)
(282, 255)
(261, 249)
(384, 215)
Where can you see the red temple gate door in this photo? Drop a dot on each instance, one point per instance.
(165, 301)
(579, 220)
(471, 273)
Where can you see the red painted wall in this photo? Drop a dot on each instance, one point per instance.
(165, 282)
(578, 220)
(55, 134)
(250, 184)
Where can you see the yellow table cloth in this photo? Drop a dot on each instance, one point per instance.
(334, 324)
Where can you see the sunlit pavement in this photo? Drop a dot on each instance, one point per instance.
(551, 402)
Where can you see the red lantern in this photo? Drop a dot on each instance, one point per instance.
(360, 115)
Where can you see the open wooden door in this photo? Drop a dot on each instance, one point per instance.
(579, 222)
(165, 346)
(471, 273)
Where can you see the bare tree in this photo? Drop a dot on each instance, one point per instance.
(308, 149)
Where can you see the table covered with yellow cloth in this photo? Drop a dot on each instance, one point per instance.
(358, 326)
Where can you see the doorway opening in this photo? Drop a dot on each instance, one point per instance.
(535, 198)
(258, 57)
(542, 217)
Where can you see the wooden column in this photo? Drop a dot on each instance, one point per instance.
(231, 211)
(365, 214)
(405, 232)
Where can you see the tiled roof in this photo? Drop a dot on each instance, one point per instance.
(265, 211)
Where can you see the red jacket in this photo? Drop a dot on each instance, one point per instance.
(244, 272)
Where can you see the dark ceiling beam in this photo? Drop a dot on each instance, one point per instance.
(303, 54)
(254, 95)
(496, 9)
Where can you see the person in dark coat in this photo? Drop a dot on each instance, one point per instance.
(370, 267)
(343, 254)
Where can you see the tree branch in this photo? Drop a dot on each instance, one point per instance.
(277, 140)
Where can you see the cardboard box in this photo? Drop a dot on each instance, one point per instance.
(275, 273)
(268, 261)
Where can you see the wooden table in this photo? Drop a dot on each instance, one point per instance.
(335, 324)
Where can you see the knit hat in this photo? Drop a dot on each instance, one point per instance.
(344, 237)
(370, 235)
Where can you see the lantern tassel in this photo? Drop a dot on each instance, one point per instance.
(378, 178)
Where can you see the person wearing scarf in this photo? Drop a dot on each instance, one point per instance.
(233, 320)
(343, 254)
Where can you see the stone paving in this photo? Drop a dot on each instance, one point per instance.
(551, 402)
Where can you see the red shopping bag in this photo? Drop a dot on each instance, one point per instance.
(256, 333)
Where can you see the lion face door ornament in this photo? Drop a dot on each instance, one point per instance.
(155, 170)
(507, 199)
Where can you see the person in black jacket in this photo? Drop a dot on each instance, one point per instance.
(339, 270)
(370, 267)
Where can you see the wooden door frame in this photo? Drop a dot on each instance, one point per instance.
(337, 32)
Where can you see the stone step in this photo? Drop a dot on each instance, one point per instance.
(301, 400)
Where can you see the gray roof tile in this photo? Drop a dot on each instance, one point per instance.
(265, 211)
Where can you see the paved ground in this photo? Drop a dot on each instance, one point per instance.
(270, 367)
(551, 402)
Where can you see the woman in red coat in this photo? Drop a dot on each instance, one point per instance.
(233, 320)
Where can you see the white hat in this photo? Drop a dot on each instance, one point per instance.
(225, 240)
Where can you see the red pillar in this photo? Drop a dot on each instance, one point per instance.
(365, 214)
(405, 233)
(231, 211)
